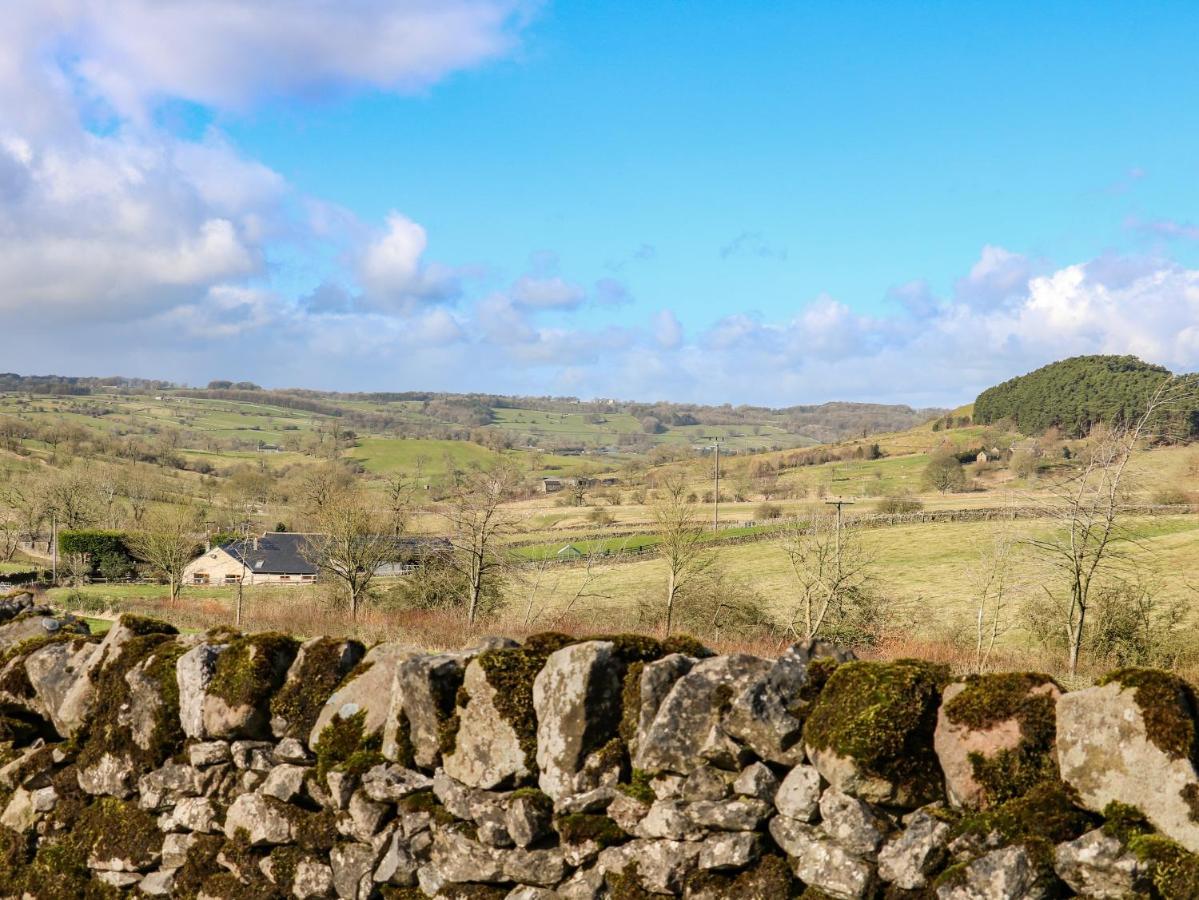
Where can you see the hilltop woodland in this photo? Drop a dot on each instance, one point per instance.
(1054, 523)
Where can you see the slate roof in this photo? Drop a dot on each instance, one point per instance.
(275, 553)
(282, 553)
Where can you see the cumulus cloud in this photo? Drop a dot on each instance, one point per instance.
(229, 53)
(105, 214)
(394, 275)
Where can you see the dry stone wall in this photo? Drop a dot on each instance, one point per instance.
(225, 765)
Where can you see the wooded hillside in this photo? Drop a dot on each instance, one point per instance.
(1074, 394)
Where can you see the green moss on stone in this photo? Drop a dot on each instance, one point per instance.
(1173, 870)
(988, 700)
(769, 877)
(447, 728)
(1168, 707)
(630, 702)
(511, 673)
(199, 865)
(426, 802)
(882, 716)
(116, 829)
(143, 625)
(687, 645)
(472, 892)
(581, 828)
(639, 787)
(1046, 813)
(544, 642)
(343, 746)
(252, 668)
(319, 674)
(625, 885)
(108, 732)
(1124, 822)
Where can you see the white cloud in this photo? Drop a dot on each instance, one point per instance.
(106, 214)
(393, 273)
(230, 53)
(667, 330)
(547, 293)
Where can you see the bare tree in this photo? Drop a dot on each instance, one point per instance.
(167, 543)
(70, 496)
(543, 584)
(24, 496)
(400, 492)
(995, 585)
(680, 526)
(10, 534)
(477, 521)
(354, 539)
(1089, 506)
(832, 571)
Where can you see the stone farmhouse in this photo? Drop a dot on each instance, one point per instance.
(282, 558)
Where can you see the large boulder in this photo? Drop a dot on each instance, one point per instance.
(768, 715)
(319, 667)
(367, 690)
(193, 674)
(246, 675)
(1132, 739)
(496, 738)
(487, 750)
(60, 674)
(995, 736)
(870, 733)
(422, 706)
(686, 730)
(577, 699)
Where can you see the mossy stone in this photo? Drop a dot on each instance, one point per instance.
(770, 877)
(344, 746)
(881, 716)
(1173, 870)
(581, 828)
(988, 700)
(109, 732)
(1047, 813)
(252, 668)
(318, 671)
(1168, 706)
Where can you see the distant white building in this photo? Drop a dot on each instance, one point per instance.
(282, 558)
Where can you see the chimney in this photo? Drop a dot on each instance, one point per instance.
(255, 543)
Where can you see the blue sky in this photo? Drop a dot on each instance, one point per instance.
(767, 202)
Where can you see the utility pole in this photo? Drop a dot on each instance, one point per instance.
(241, 582)
(716, 495)
(54, 548)
(839, 502)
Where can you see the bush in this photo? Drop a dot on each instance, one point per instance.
(898, 505)
(768, 511)
(597, 515)
(1171, 496)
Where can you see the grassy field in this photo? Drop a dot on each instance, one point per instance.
(929, 571)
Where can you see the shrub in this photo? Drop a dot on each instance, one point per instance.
(898, 505)
(1171, 496)
(768, 511)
